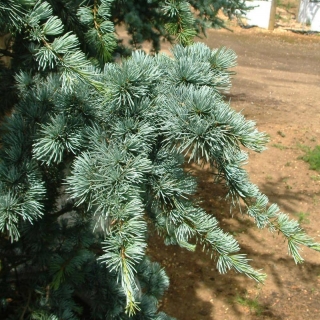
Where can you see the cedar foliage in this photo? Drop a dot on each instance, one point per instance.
(92, 156)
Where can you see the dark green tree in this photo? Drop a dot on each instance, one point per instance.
(93, 153)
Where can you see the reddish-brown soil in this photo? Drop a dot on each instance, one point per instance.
(278, 86)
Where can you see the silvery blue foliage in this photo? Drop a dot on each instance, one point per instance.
(92, 160)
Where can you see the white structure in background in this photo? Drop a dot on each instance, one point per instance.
(263, 15)
(309, 13)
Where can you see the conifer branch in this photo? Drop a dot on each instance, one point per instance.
(114, 142)
(182, 25)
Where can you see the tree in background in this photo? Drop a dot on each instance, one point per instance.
(93, 155)
(144, 20)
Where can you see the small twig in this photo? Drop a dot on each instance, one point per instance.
(26, 306)
(69, 206)
(7, 53)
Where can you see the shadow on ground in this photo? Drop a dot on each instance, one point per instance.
(210, 295)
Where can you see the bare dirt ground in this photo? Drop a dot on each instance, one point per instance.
(278, 86)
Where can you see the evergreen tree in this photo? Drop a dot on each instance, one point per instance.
(93, 154)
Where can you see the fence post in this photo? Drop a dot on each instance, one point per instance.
(272, 19)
